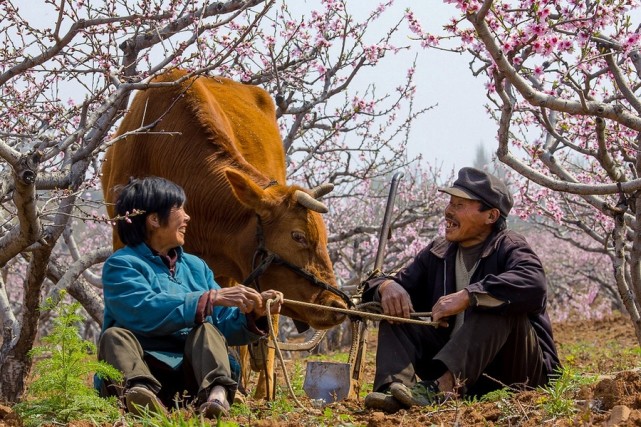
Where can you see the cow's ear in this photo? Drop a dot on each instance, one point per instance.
(246, 190)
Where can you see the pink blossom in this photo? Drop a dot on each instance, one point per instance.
(631, 41)
(410, 73)
(414, 25)
(430, 40)
(322, 42)
(467, 37)
(544, 12)
(490, 87)
(373, 53)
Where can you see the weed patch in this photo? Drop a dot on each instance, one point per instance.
(58, 391)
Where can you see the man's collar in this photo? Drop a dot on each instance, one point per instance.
(443, 248)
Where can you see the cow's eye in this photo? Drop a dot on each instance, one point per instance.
(299, 238)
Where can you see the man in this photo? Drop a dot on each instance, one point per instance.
(487, 290)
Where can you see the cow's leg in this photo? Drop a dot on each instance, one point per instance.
(261, 391)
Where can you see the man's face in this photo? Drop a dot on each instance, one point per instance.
(466, 224)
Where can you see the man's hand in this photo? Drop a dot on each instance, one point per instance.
(395, 300)
(450, 305)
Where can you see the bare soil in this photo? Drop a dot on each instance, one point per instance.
(605, 353)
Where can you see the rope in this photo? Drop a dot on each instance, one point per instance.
(350, 312)
(366, 314)
(272, 334)
(303, 346)
(375, 307)
(368, 309)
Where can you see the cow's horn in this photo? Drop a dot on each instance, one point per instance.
(309, 202)
(321, 190)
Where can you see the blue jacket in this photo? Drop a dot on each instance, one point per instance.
(141, 296)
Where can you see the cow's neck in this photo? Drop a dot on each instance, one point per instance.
(229, 250)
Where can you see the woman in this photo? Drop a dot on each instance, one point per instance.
(166, 321)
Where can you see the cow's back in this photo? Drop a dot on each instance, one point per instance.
(250, 122)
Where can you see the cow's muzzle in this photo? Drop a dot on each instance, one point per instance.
(263, 258)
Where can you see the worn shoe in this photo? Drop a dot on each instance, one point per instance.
(141, 401)
(239, 398)
(382, 402)
(423, 393)
(214, 409)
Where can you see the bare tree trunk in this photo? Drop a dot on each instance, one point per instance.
(13, 372)
(17, 362)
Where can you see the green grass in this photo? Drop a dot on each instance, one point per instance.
(332, 357)
(178, 418)
(330, 418)
(498, 395)
(597, 357)
(59, 391)
(558, 399)
(296, 377)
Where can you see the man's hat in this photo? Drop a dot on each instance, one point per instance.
(475, 184)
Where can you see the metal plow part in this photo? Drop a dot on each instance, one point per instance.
(327, 381)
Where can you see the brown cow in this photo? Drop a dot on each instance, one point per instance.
(219, 140)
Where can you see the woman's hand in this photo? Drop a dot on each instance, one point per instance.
(275, 306)
(243, 297)
(246, 299)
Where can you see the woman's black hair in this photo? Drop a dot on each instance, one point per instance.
(499, 224)
(146, 195)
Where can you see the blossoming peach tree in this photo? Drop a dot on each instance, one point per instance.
(562, 80)
(68, 69)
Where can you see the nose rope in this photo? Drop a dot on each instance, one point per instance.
(370, 310)
(268, 257)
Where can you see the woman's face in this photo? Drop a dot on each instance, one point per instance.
(165, 237)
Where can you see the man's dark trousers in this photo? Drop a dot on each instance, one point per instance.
(488, 352)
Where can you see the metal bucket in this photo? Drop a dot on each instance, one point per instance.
(327, 381)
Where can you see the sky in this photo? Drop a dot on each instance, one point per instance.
(452, 131)
(449, 134)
